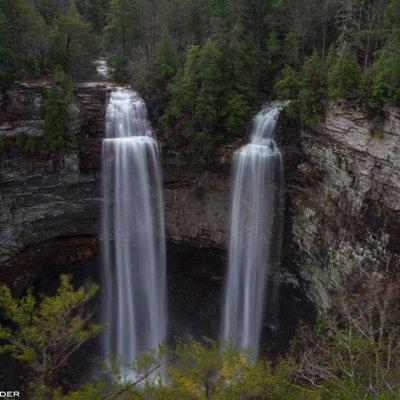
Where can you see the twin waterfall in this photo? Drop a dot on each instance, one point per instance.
(134, 282)
(255, 236)
(134, 294)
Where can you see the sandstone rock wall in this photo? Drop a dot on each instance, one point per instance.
(46, 197)
(342, 192)
(344, 199)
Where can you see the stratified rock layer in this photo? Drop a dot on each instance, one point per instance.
(342, 201)
(44, 197)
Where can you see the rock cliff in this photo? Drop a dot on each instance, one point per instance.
(342, 194)
(344, 199)
(45, 197)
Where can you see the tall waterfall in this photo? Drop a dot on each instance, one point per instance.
(134, 294)
(255, 236)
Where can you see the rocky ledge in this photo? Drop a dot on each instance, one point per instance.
(45, 197)
(342, 193)
(344, 199)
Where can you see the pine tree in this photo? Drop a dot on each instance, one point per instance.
(122, 33)
(287, 88)
(344, 76)
(166, 61)
(312, 89)
(57, 124)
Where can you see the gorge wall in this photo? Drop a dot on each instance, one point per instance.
(342, 202)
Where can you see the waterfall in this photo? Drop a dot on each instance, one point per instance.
(255, 236)
(133, 289)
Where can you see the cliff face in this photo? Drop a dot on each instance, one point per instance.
(46, 197)
(342, 207)
(344, 199)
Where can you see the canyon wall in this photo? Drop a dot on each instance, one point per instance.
(343, 203)
(342, 195)
(53, 197)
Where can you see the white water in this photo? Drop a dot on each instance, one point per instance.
(101, 67)
(255, 236)
(134, 294)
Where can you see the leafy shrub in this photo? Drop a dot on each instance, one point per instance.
(46, 333)
(354, 353)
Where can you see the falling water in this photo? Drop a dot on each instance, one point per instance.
(255, 236)
(101, 67)
(134, 295)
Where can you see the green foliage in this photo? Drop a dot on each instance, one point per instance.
(27, 145)
(72, 43)
(287, 88)
(306, 90)
(197, 371)
(3, 145)
(166, 61)
(354, 353)
(94, 11)
(383, 79)
(7, 57)
(211, 97)
(344, 76)
(121, 33)
(59, 97)
(312, 92)
(36, 36)
(48, 331)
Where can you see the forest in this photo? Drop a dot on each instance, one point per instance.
(198, 72)
(202, 66)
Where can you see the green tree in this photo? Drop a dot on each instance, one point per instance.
(95, 12)
(210, 99)
(28, 33)
(287, 88)
(312, 92)
(72, 43)
(122, 33)
(7, 56)
(47, 332)
(344, 76)
(166, 61)
(58, 106)
(383, 79)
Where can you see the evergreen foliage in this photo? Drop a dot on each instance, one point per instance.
(57, 131)
(245, 51)
(344, 76)
(36, 36)
(121, 34)
(211, 97)
(312, 89)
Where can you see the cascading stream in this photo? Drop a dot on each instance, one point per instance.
(255, 236)
(134, 294)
